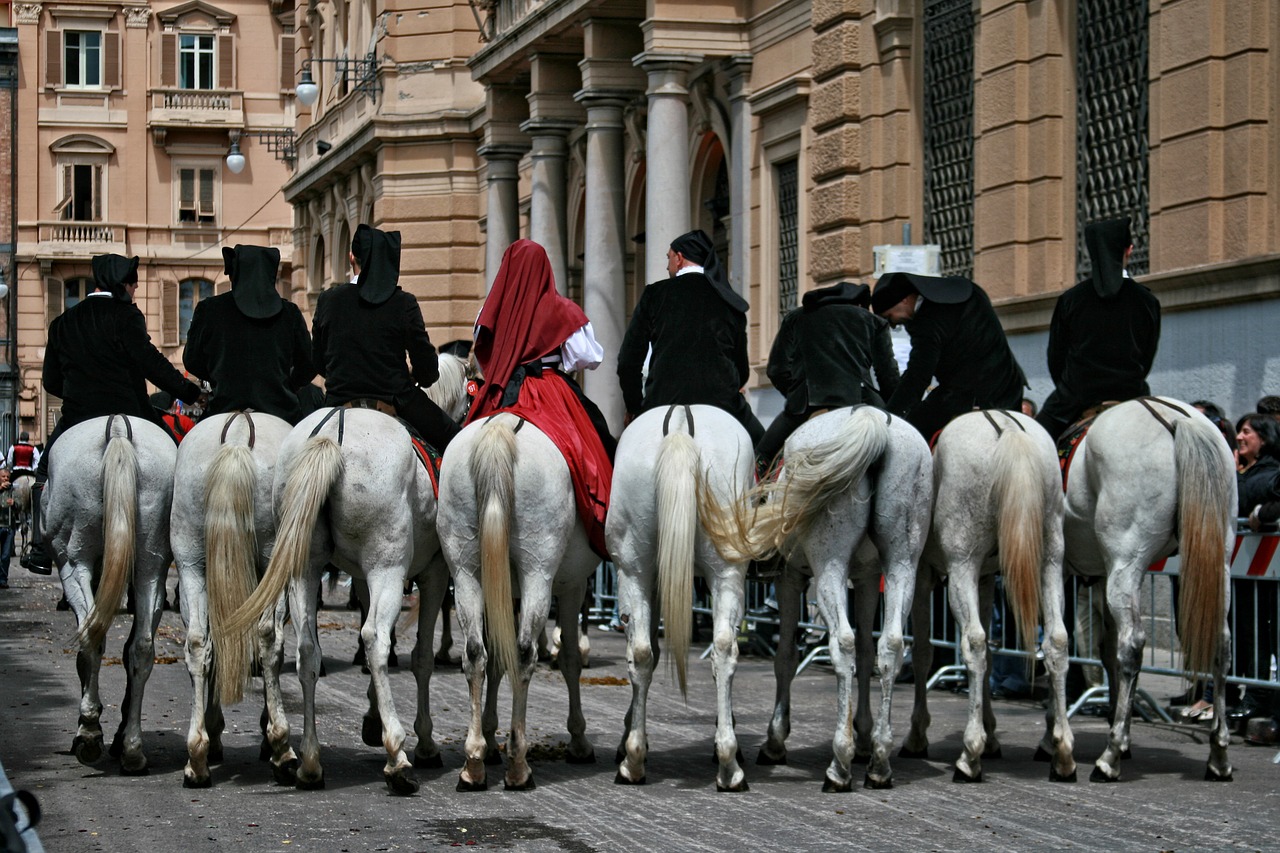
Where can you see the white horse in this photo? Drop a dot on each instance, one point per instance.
(20, 510)
(655, 538)
(1153, 475)
(222, 508)
(507, 509)
(106, 511)
(997, 506)
(847, 474)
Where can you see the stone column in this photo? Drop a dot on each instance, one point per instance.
(503, 205)
(666, 156)
(604, 263)
(548, 207)
(740, 145)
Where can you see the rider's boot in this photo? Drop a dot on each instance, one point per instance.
(37, 559)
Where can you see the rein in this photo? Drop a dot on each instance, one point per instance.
(1147, 401)
(341, 412)
(1000, 430)
(688, 418)
(128, 427)
(248, 417)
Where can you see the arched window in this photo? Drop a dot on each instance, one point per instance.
(190, 292)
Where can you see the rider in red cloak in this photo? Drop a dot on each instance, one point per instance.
(527, 339)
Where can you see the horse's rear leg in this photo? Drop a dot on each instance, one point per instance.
(866, 600)
(1219, 767)
(830, 580)
(475, 661)
(199, 666)
(534, 606)
(788, 589)
(1130, 638)
(580, 749)
(962, 587)
(302, 602)
(275, 733)
(901, 561)
(727, 603)
(636, 588)
(386, 591)
(1058, 744)
(916, 744)
(432, 586)
(140, 656)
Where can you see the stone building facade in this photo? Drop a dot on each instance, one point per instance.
(128, 111)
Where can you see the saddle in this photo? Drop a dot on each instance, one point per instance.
(1074, 434)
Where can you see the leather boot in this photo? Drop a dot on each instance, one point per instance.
(37, 559)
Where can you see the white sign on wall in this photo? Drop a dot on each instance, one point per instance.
(919, 259)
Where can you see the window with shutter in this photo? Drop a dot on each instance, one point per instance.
(111, 60)
(195, 61)
(197, 192)
(82, 59)
(205, 209)
(169, 313)
(83, 192)
(286, 64)
(53, 58)
(226, 63)
(168, 60)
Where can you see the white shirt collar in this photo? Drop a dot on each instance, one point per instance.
(689, 269)
(106, 293)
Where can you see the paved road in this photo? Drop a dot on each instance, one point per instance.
(1161, 804)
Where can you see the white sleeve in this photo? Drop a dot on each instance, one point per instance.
(35, 457)
(581, 351)
(8, 459)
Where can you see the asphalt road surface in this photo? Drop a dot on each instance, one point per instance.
(1162, 802)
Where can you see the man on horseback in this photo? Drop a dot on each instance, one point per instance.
(99, 359)
(956, 338)
(697, 327)
(23, 457)
(250, 344)
(1104, 332)
(822, 359)
(361, 333)
(528, 339)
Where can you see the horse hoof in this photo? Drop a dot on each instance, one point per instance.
(493, 758)
(830, 786)
(961, 776)
(1098, 775)
(1055, 776)
(140, 770)
(527, 785)
(740, 788)
(1211, 776)
(316, 784)
(623, 780)
(764, 759)
(465, 787)
(286, 773)
(906, 752)
(429, 762)
(371, 731)
(1126, 755)
(995, 753)
(88, 751)
(117, 746)
(589, 758)
(1043, 754)
(193, 782)
(877, 784)
(402, 783)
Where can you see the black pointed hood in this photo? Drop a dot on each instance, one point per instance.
(378, 255)
(697, 247)
(844, 293)
(113, 272)
(893, 287)
(1106, 242)
(253, 271)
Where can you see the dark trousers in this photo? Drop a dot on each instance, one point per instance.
(429, 420)
(942, 404)
(769, 446)
(1059, 412)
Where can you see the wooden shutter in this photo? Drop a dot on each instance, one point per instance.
(53, 58)
(111, 60)
(286, 64)
(54, 289)
(99, 189)
(226, 63)
(206, 193)
(186, 192)
(168, 60)
(66, 204)
(169, 313)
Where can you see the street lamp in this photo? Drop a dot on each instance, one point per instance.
(235, 160)
(361, 74)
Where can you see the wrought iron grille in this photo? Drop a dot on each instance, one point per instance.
(1111, 122)
(786, 174)
(948, 132)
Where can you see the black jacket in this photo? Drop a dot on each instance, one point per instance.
(253, 364)
(99, 358)
(699, 347)
(1258, 485)
(965, 348)
(1102, 349)
(360, 348)
(824, 353)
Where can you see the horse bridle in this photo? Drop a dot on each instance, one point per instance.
(248, 417)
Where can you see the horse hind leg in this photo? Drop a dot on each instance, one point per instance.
(636, 585)
(788, 589)
(580, 749)
(727, 602)
(963, 589)
(275, 723)
(1219, 767)
(1130, 638)
(866, 599)
(140, 655)
(386, 591)
(916, 743)
(432, 586)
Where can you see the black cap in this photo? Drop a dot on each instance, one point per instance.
(1106, 242)
(378, 254)
(697, 247)
(844, 293)
(113, 272)
(894, 287)
(253, 271)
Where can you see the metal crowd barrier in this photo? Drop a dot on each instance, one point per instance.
(1254, 621)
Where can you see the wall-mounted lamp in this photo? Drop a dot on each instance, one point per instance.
(235, 160)
(278, 142)
(360, 74)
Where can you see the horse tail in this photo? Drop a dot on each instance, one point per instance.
(306, 489)
(1205, 509)
(231, 547)
(1018, 491)
(677, 475)
(119, 536)
(786, 508)
(493, 465)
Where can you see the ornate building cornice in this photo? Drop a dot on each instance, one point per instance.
(137, 17)
(27, 13)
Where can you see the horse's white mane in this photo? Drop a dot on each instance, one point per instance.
(450, 391)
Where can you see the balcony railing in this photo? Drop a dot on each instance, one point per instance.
(187, 107)
(81, 233)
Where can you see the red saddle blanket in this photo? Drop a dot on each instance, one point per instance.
(548, 403)
(1069, 441)
(430, 460)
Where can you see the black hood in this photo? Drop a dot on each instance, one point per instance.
(844, 293)
(253, 271)
(1107, 242)
(893, 287)
(378, 255)
(113, 272)
(697, 247)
